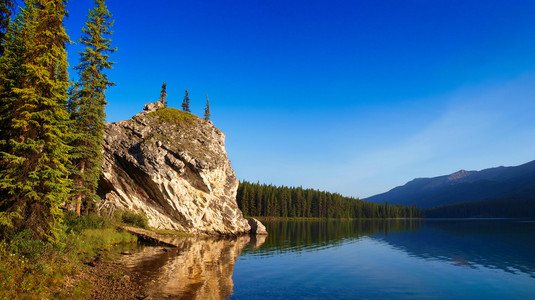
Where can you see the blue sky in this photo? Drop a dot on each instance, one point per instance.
(354, 97)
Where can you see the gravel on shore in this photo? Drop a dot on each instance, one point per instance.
(106, 279)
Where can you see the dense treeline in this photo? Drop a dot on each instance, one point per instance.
(508, 208)
(51, 130)
(34, 122)
(256, 199)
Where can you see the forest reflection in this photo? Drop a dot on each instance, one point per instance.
(307, 235)
(203, 267)
(506, 244)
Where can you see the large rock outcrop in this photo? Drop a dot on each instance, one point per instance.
(172, 166)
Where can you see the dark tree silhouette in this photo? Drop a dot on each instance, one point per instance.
(163, 95)
(207, 110)
(185, 103)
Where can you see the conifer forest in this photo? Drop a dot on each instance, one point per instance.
(261, 200)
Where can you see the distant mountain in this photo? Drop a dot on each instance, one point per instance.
(465, 186)
(505, 208)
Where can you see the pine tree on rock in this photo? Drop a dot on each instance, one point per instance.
(6, 9)
(34, 154)
(207, 110)
(87, 103)
(163, 95)
(185, 103)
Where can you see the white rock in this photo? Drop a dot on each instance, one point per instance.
(173, 167)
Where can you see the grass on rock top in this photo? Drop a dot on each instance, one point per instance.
(190, 135)
(173, 115)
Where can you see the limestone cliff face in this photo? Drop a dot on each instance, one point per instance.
(172, 166)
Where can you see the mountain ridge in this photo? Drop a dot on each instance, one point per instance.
(496, 183)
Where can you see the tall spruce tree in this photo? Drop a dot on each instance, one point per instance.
(185, 103)
(207, 109)
(34, 154)
(163, 95)
(87, 103)
(9, 72)
(6, 9)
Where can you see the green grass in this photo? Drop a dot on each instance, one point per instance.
(91, 242)
(190, 133)
(173, 115)
(26, 268)
(132, 218)
(81, 290)
(94, 221)
(34, 269)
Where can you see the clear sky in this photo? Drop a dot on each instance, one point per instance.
(354, 97)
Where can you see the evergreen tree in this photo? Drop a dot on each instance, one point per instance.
(271, 201)
(207, 110)
(185, 103)
(6, 9)
(163, 95)
(34, 154)
(10, 68)
(87, 103)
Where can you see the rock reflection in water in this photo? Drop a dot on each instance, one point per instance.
(200, 268)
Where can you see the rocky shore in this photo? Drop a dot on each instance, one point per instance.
(106, 279)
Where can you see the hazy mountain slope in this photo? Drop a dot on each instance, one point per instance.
(465, 186)
(506, 208)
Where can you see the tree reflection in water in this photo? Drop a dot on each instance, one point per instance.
(202, 267)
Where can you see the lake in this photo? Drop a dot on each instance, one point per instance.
(372, 259)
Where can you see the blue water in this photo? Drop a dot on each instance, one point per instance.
(441, 259)
(431, 259)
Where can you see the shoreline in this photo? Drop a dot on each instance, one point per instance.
(105, 276)
(102, 278)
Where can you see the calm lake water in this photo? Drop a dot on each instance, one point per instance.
(431, 259)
